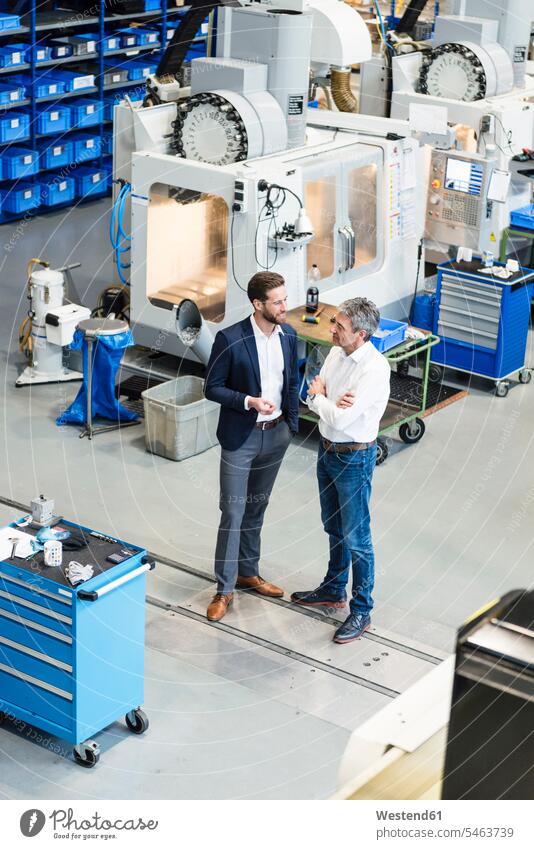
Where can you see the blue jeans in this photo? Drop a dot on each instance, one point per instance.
(344, 492)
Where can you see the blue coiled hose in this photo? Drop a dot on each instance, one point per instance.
(116, 232)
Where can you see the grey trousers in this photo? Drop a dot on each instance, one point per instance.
(247, 477)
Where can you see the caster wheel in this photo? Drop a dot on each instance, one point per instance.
(137, 721)
(435, 374)
(411, 432)
(525, 375)
(403, 368)
(501, 389)
(382, 452)
(87, 754)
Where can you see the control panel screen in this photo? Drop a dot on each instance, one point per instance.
(462, 176)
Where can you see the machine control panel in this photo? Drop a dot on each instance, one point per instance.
(456, 203)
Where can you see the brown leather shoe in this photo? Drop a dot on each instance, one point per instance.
(218, 606)
(258, 585)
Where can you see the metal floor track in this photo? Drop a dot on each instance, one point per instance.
(375, 639)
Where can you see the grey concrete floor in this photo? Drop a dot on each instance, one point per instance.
(452, 519)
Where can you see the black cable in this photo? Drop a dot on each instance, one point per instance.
(232, 251)
(419, 257)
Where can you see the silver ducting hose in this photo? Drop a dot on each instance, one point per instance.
(341, 90)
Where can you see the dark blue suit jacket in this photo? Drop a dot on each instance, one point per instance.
(234, 372)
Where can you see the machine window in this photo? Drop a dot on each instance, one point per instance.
(320, 203)
(187, 251)
(362, 212)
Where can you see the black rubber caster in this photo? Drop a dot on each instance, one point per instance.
(501, 389)
(382, 452)
(435, 374)
(403, 368)
(137, 721)
(525, 375)
(411, 432)
(87, 754)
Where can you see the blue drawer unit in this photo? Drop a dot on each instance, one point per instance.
(20, 197)
(483, 321)
(55, 153)
(57, 189)
(85, 146)
(14, 126)
(85, 112)
(12, 91)
(72, 658)
(11, 56)
(53, 118)
(19, 162)
(91, 181)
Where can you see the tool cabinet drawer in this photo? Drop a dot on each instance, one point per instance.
(467, 288)
(35, 696)
(470, 304)
(448, 330)
(42, 640)
(35, 612)
(35, 593)
(40, 666)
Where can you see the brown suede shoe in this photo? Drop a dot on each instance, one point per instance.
(258, 585)
(218, 606)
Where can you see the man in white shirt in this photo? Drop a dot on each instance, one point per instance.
(253, 375)
(349, 395)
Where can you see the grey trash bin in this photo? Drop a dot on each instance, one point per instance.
(179, 421)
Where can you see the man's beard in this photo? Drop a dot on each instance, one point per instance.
(274, 319)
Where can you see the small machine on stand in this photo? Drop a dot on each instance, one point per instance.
(49, 325)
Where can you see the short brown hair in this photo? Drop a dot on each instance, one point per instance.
(261, 283)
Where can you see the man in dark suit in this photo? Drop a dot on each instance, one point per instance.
(253, 375)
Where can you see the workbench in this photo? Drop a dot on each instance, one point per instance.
(72, 658)
(408, 403)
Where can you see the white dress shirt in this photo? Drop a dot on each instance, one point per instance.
(365, 372)
(271, 360)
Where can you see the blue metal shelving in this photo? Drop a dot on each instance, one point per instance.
(38, 27)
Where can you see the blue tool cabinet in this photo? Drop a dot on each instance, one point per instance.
(482, 321)
(72, 659)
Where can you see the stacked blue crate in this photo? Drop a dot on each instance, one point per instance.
(41, 136)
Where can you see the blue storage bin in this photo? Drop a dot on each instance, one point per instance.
(14, 126)
(60, 49)
(523, 218)
(53, 119)
(20, 197)
(85, 112)
(144, 35)
(85, 146)
(91, 181)
(8, 21)
(11, 92)
(74, 80)
(389, 334)
(57, 189)
(140, 69)
(128, 36)
(43, 86)
(55, 153)
(11, 56)
(19, 162)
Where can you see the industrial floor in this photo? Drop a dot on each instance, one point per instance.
(262, 705)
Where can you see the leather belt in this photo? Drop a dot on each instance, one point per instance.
(270, 423)
(345, 447)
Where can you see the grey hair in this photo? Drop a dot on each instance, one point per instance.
(363, 314)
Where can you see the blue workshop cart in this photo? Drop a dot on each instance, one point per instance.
(72, 658)
(482, 321)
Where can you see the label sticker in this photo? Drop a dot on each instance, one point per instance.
(52, 89)
(95, 178)
(56, 150)
(295, 104)
(90, 143)
(90, 109)
(54, 116)
(14, 123)
(13, 95)
(15, 58)
(62, 186)
(28, 159)
(27, 194)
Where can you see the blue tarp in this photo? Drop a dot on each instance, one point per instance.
(107, 354)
